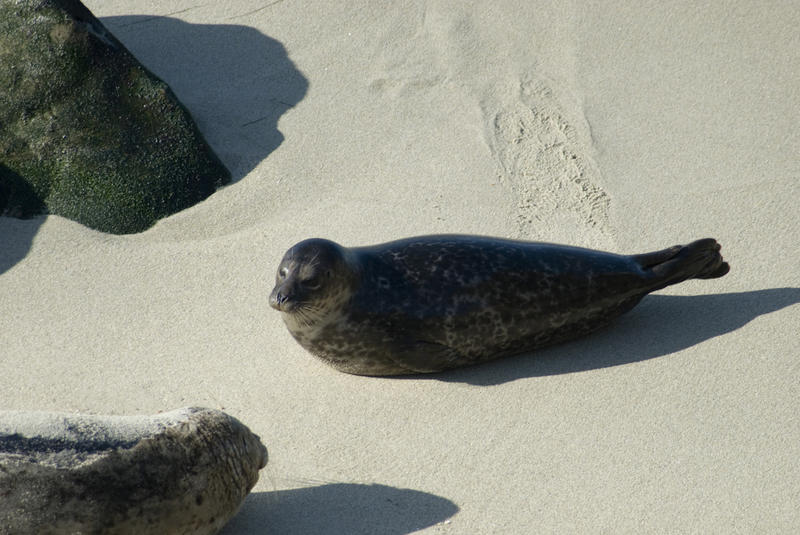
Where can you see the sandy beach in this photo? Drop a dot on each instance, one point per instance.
(622, 126)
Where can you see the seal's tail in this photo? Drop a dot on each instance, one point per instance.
(700, 259)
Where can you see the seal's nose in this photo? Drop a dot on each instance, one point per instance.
(275, 299)
(279, 298)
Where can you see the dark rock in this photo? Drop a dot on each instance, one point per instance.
(86, 131)
(186, 471)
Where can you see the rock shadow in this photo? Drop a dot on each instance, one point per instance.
(235, 81)
(16, 238)
(660, 325)
(340, 508)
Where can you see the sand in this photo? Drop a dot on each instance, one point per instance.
(626, 126)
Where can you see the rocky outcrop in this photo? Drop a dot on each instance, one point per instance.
(87, 132)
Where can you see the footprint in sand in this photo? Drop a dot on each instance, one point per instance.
(546, 165)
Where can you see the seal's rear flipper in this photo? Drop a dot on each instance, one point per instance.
(700, 259)
(648, 260)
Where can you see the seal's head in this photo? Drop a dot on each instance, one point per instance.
(314, 276)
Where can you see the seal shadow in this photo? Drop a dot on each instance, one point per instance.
(235, 81)
(340, 508)
(660, 325)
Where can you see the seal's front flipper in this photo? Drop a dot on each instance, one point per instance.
(426, 357)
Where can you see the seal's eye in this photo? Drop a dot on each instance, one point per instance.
(314, 283)
(283, 272)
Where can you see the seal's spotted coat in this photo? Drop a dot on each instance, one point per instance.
(436, 302)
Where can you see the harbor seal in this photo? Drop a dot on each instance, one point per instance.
(430, 303)
(183, 471)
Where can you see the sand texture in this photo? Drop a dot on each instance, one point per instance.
(625, 126)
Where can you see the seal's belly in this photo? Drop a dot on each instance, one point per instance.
(392, 344)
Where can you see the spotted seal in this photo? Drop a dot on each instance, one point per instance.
(430, 303)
